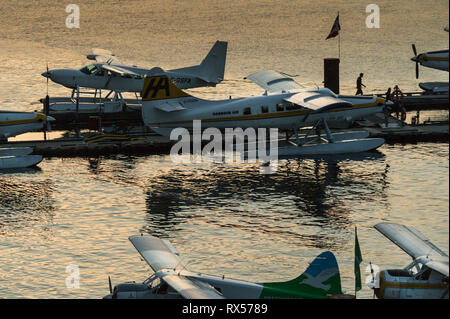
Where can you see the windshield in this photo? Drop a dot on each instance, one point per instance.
(89, 69)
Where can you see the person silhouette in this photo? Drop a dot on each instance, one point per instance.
(359, 85)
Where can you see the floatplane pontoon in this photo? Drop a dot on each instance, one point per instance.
(287, 107)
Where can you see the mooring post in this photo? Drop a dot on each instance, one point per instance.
(331, 74)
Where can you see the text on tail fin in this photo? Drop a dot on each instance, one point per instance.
(160, 88)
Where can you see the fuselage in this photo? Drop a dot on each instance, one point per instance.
(92, 76)
(266, 111)
(400, 284)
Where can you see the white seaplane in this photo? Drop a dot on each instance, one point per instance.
(108, 74)
(171, 280)
(15, 123)
(434, 59)
(287, 107)
(425, 278)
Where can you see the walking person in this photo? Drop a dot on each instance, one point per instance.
(359, 85)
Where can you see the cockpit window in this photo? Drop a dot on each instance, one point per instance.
(89, 69)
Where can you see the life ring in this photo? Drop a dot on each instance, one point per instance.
(396, 95)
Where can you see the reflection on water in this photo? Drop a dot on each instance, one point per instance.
(24, 203)
(223, 218)
(301, 192)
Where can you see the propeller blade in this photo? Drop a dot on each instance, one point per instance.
(414, 49)
(110, 285)
(47, 78)
(417, 70)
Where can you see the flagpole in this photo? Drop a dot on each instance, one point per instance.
(339, 41)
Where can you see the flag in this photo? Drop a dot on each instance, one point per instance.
(358, 260)
(335, 29)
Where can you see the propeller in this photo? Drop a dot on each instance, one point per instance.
(47, 79)
(110, 285)
(416, 60)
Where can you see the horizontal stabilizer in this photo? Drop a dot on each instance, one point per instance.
(169, 106)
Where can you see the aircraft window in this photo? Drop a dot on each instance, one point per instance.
(247, 111)
(89, 69)
(100, 72)
(264, 109)
(293, 106)
(424, 275)
(280, 107)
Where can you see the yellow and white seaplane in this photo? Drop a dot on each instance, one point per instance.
(425, 278)
(15, 123)
(108, 74)
(285, 105)
(171, 279)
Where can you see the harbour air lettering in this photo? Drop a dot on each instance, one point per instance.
(154, 88)
(193, 309)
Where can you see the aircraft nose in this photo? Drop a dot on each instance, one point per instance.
(47, 74)
(415, 59)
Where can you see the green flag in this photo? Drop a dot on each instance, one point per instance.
(358, 260)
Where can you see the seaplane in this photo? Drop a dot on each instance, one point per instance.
(171, 279)
(15, 123)
(425, 278)
(435, 60)
(285, 105)
(108, 74)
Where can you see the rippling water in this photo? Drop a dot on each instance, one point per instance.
(223, 218)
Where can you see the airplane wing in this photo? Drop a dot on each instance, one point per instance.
(410, 240)
(103, 56)
(117, 70)
(317, 102)
(190, 288)
(272, 81)
(159, 254)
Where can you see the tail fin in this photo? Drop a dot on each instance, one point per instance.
(160, 88)
(212, 68)
(320, 280)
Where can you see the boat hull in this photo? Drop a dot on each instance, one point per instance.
(9, 162)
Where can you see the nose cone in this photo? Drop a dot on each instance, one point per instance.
(47, 74)
(415, 59)
(50, 118)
